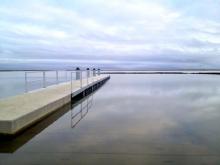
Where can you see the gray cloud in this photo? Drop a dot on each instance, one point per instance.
(118, 33)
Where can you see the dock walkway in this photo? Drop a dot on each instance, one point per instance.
(21, 111)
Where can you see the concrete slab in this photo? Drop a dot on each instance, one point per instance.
(21, 111)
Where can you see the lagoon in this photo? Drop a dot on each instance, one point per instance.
(132, 119)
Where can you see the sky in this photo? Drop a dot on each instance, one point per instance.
(122, 34)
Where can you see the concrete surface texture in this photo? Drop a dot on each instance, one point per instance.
(19, 112)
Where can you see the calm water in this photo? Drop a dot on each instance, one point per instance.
(132, 119)
(13, 83)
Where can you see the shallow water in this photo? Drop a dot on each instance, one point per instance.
(132, 119)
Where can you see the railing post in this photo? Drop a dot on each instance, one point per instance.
(94, 72)
(80, 79)
(71, 81)
(88, 75)
(57, 81)
(78, 75)
(26, 83)
(44, 79)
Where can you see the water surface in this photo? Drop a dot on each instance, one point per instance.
(13, 82)
(132, 119)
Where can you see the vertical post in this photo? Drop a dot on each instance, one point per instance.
(66, 75)
(88, 75)
(57, 81)
(26, 85)
(94, 72)
(44, 79)
(71, 76)
(80, 79)
(78, 75)
(98, 72)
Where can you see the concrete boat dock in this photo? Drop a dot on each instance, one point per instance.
(21, 111)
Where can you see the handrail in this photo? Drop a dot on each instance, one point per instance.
(79, 77)
(43, 77)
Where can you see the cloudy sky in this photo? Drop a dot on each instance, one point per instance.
(116, 33)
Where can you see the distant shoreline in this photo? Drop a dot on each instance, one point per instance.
(216, 72)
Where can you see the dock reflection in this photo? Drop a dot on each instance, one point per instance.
(10, 144)
(78, 112)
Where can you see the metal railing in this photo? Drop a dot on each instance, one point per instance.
(30, 79)
(42, 79)
(83, 77)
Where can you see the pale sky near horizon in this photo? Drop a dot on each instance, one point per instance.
(115, 33)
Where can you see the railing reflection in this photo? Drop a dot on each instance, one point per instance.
(78, 112)
(11, 144)
(78, 107)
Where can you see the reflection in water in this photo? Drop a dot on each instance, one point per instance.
(77, 116)
(134, 119)
(11, 144)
